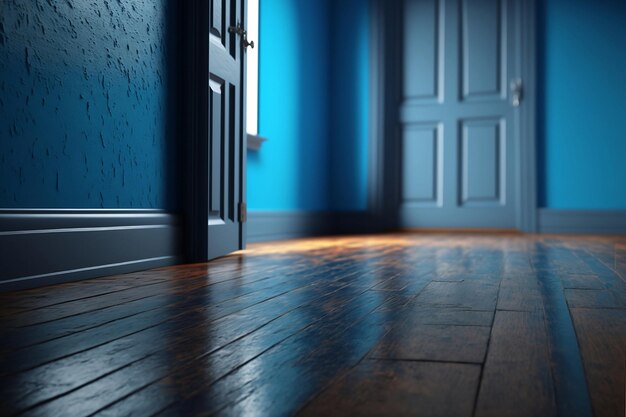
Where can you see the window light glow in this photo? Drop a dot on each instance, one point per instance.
(252, 75)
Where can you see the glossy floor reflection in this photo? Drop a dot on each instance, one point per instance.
(404, 324)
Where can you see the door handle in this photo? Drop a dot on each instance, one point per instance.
(517, 92)
(239, 30)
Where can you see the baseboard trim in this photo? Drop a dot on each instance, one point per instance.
(266, 226)
(598, 222)
(43, 247)
(356, 222)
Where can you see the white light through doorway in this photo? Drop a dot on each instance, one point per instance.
(252, 76)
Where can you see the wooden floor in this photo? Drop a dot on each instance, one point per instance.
(399, 325)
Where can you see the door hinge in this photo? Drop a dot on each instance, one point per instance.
(239, 30)
(243, 213)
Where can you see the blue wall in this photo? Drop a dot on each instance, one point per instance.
(87, 121)
(291, 171)
(85, 95)
(87, 105)
(349, 104)
(583, 104)
(312, 107)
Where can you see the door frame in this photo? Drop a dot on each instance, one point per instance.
(386, 45)
(194, 129)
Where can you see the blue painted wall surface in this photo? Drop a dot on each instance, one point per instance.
(582, 110)
(582, 67)
(291, 171)
(85, 104)
(349, 104)
(312, 107)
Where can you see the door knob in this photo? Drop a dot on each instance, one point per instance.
(517, 92)
(239, 30)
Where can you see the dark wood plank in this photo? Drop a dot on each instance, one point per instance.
(343, 324)
(58, 294)
(378, 388)
(591, 299)
(175, 340)
(153, 299)
(492, 279)
(517, 380)
(238, 347)
(40, 354)
(444, 343)
(620, 259)
(455, 316)
(466, 294)
(547, 257)
(407, 283)
(530, 280)
(582, 282)
(571, 392)
(519, 298)
(259, 311)
(180, 283)
(271, 383)
(604, 271)
(602, 339)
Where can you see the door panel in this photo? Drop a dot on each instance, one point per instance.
(460, 136)
(421, 67)
(216, 21)
(225, 134)
(216, 131)
(483, 41)
(423, 162)
(481, 155)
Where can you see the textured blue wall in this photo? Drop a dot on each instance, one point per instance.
(84, 96)
(583, 104)
(85, 104)
(312, 107)
(291, 171)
